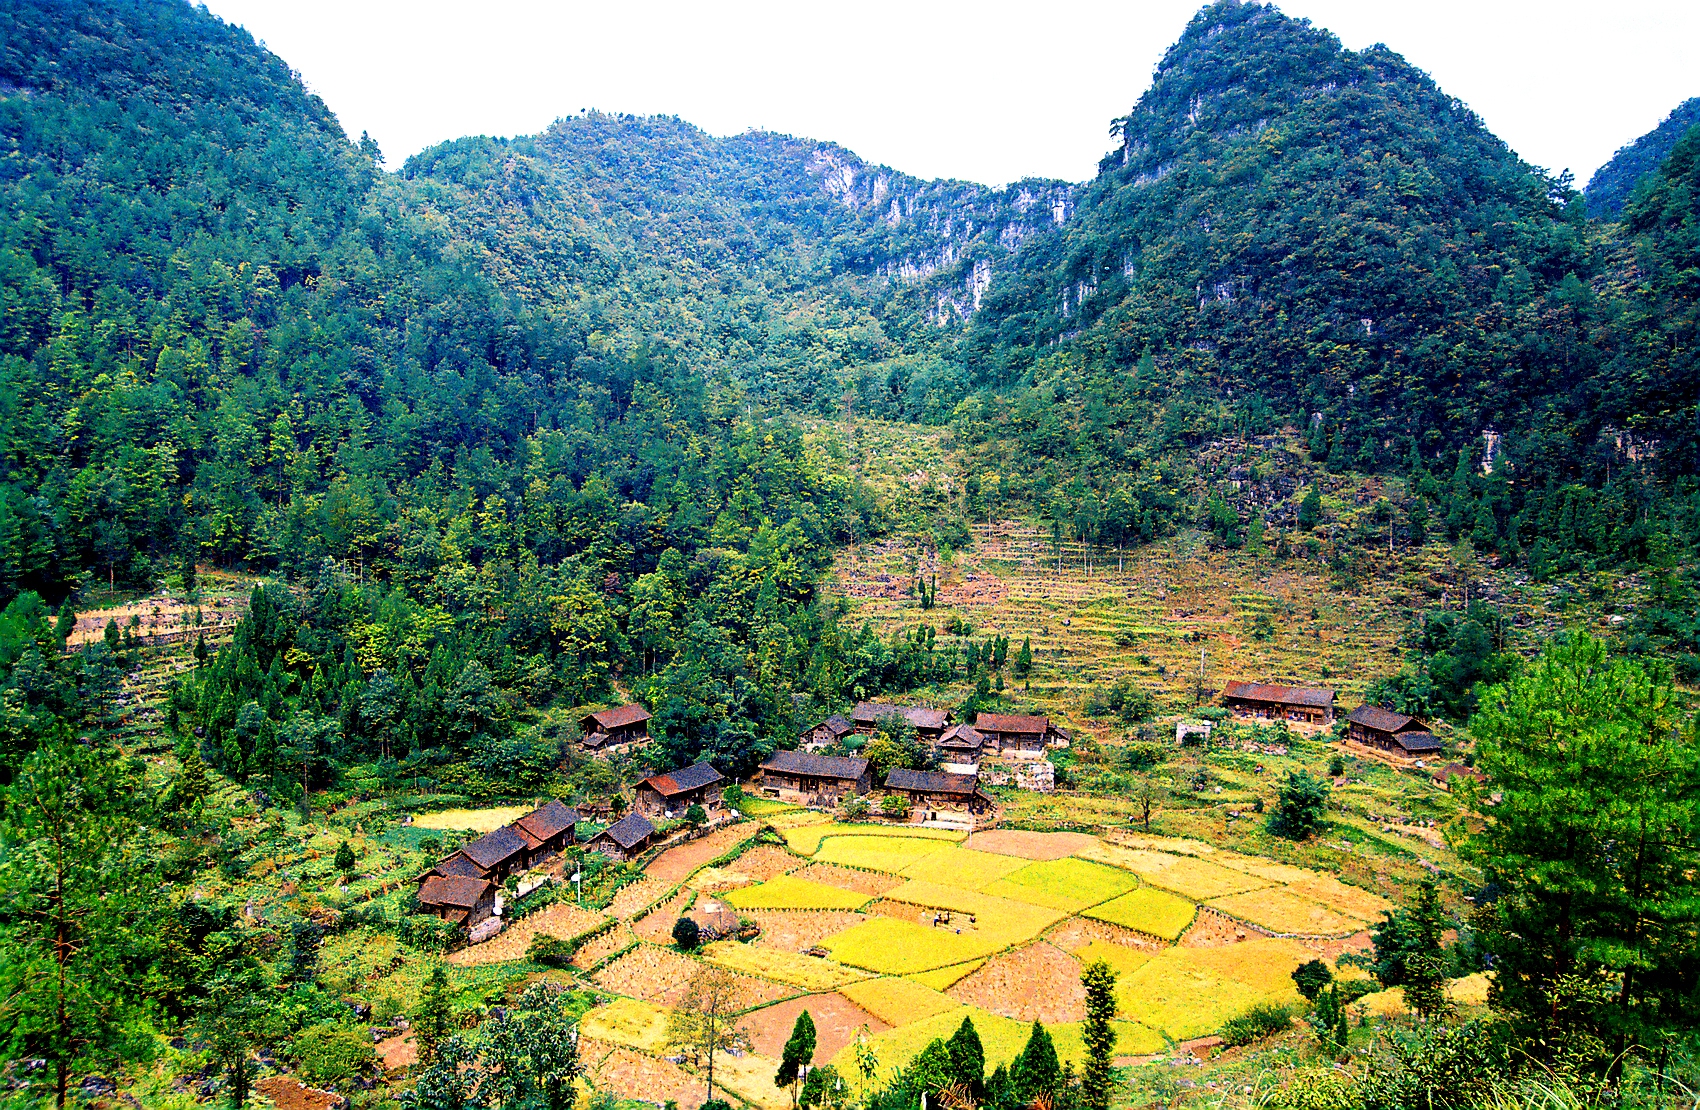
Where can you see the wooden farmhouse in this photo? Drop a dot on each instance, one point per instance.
(546, 830)
(1393, 732)
(820, 780)
(960, 746)
(671, 794)
(615, 728)
(1019, 735)
(457, 898)
(1301, 704)
(929, 724)
(939, 790)
(493, 856)
(624, 839)
(832, 730)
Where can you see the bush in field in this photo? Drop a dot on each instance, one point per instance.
(855, 807)
(550, 951)
(686, 934)
(1263, 1020)
(331, 1055)
(1311, 977)
(1300, 806)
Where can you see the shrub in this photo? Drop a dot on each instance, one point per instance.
(686, 934)
(1142, 757)
(1263, 1020)
(1320, 1090)
(550, 951)
(431, 934)
(1336, 767)
(344, 860)
(855, 807)
(1300, 806)
(330, 1055)
(894, 805)
(1311, 977)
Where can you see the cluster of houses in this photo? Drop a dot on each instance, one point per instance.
(1370, 725)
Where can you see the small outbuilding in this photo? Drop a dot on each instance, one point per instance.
(1300, 704)
(830, 731)
(671, 794)
(462, 900)
(939, 790)
(624, 839)
(929, 724)
(821, 780)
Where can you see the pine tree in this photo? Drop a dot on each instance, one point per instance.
(344, 857)
(433, 1021)
(67, 622)
(1024, 658)
(798, 1052)
(1310, 509)
(1097, 1076)
(967, 1057)
(1036, 1071)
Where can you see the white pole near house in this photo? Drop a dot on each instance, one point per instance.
(578, 884)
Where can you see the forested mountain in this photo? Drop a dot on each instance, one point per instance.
(1614, 183)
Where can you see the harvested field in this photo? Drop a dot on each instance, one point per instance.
(601, 946)
(562, 920)
(963, 867)
(798, 930)
(715, 880)
(1281, 911)
(1263, 868)
(675, 864)
(808, 972)
(896, 1001)
(1064, 884)
(633, 898)
(1183, 1001)
(944, 978)
(1342, 897)
(878, 853)
(848, 878)
(1148, 910)
(627, 1021)
(1001, 1038)
(630, 1074)
(1265, 964)
(1195, 878)
(648, 972)
(788, 892)
(484, 820)
(1122, 959)
(836, 1018)
(1077, 932)
(750, 1077)
(763, 862)
(1213, 929)
(1035, 983)
(656, 926)
(1030, 845)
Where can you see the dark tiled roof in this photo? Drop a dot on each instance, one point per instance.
(838, 724)
(1417, 741)
(547, 822)
(1383, 720)
(934, 782)
(619, 718)
(872, 712)
(1315, 697)
(961, 736)
(628, 831)
(694, 777)
(1011, 722)
(492, 848)
(454, 890)
(819, 766)
(458, 864)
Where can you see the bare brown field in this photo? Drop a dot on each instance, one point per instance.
(763, 862)
(848, 878)
(675, 864)
(836, 1018)
(1075, 933)
(630, 1074)
(603, 945)
(800, 930)
(656, 926)
(1036, 983)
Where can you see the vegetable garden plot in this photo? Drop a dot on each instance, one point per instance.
(789, 892)
(1147, 910)
(1064, 884)
(1195, 878)
(963, 867)
(878, 853)
(1180, 1000)
(1281, 911)
(807, 972)
(1035, 983)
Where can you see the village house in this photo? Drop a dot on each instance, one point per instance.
(939, 790)
(959, 748)
(1453, 772)
(457, 898)
(546, 830)
(671, 794)
(624, 839)
(615, 728)
(819, 780)
(493, 856)
(1300, 704)
(1018, 735)
(830, 731)
(1375, 727)
(929, 724)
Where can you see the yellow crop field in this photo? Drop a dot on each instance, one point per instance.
(1350, 900)
(1122, 959)
(1196, 878)
(1001, 921)
(809, 972)
(898, 1001)
(1263, 868)
(750, 1077)
(1001, 1037)
(963, 867)
(1281, 911)
(893, 947)
(627, 1021)
(1148, 910)
(877, 853)
(806, 837)
(944, 977)
(1181, 1000)
(787, 892)
(1264, 963)
(1064, 884)
(484, 820)
(1132, 1039)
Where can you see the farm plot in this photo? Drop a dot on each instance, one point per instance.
(896, 1001)
(1064, 884)
(877, 853)
(484, 820)
(1147, 910)
(631, 1074)
(1031, 845)
(1342, 897)
(561, 920)
(1074, 933)
(788, 892)
(799, 930)
(1132, 1039)
(806, 839)
(1279, 910)
(837, 1021)
(872, 883)
(603, 945)
(896, 947)
(677, 863)
(1187, 875)
(633, 898)
(1035, 983)
(1122, 959)
(807, 972)
(1001, 921)
(656, 926)
(1181, 1000)
(627, 1021)
(763, 862)
(963, 867)
(942, 978)
(648, 972)
(1265, 964)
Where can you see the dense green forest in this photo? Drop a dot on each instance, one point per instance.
(1614, 184)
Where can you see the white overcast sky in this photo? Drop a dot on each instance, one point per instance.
(983, 90)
